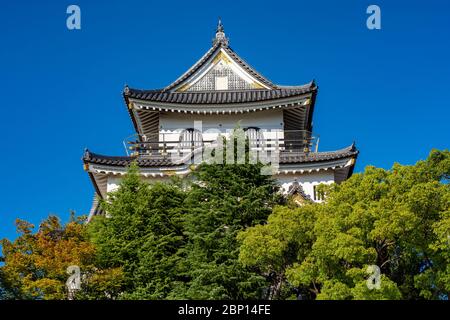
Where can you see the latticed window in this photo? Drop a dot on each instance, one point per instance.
(254, 136)
(190, 139)
(217, 75)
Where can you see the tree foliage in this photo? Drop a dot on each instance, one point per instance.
(143, 234)
(223, 200)
(178, 240)
(397, 219)
(226, 233)
(35, 264)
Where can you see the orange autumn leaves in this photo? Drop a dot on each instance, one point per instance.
(36, 263)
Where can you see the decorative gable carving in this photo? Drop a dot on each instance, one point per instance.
(297, 194)
(221, 77)
(220, 73)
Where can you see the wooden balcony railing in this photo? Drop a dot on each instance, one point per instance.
(164, 143)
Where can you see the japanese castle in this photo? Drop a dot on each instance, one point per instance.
(218, 94)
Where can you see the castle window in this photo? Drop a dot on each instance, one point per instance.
(254, 136)
(318, 194)
(191, 139)
(222, 83)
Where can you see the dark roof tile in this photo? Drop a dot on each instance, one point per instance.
(219, 97)
(286, 157)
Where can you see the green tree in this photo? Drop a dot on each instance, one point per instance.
(142, 233)
(178, 240)
(223, 200)
(396, 219)
(273, 247)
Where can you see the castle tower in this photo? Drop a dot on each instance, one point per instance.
(217, 94)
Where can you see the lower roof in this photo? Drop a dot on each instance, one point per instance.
(286, 157)
(99, 167)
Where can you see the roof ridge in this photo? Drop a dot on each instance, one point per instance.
(88, 155)
(218, 96)
(248, 67)
(285, 158)
(129, 91)
(194, 67)
(312, 83)
(217, 46)
(350, 148)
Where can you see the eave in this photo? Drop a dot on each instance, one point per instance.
(99, 167)
(300, 97)
(208, 56)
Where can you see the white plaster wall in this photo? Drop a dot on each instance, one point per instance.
(172, 124)
(114, 181)
(306, 180)
(268, 119)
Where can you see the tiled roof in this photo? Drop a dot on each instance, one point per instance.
(94, 158)
(248, 68)
(219, 97)
(301, 157)
(296, 187)
(285, 158)
(208, 55)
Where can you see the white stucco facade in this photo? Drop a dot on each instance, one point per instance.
(268, 120)
(307, 180)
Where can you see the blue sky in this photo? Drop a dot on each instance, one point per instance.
(386, 89)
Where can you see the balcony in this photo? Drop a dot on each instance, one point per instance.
(164, 144)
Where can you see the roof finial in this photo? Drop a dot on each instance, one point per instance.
(220, 35)
(126, 89)
(219, 26)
